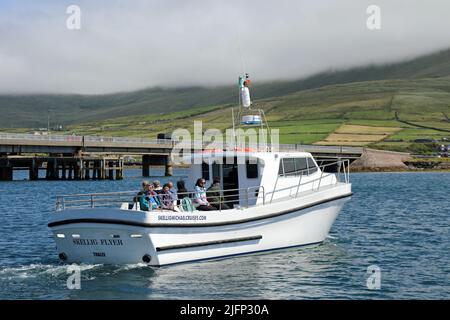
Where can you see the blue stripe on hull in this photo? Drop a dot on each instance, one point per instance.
(242, 253)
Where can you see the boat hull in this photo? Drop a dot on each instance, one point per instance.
(106, 242)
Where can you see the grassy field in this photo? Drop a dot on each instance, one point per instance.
(358, 135)
(350, 114)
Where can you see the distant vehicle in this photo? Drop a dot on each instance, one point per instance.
(164, 136)
(58, 127)
(393, 140)
(424, 140)
(444, 148)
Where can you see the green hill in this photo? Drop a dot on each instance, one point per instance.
(31, 110)
(360, 113)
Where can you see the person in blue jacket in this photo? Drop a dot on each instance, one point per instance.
(146, 197)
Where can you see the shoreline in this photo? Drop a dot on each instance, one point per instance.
(400, 171)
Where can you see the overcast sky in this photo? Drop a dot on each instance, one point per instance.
(127, 45)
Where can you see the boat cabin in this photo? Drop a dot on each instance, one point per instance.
(246, 178)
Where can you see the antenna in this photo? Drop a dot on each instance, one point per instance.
(234, 131)
(240, 52)
(48, 121)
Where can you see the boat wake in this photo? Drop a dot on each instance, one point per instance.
(37, 270)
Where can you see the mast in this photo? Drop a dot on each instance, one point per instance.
(250, 114)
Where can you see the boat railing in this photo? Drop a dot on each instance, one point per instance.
(105, 199)
(112, 199)
(343, 168)
(239, 197)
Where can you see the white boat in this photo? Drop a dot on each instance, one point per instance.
(279, 200)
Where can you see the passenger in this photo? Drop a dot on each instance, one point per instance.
(172, 191)
(166, 198)
(215, 196)
(154, 196)
(200, 199)
(141, 197)
(181, 191)
(157, 187)
(181, 187)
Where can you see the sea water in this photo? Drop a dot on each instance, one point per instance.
(397, 224)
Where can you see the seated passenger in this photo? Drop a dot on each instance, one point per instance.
(182, 191)
(215, 196)
(153, 196)
(141, 196)
(200, 200)
(167, 201)
(157, 187)
(172, 191)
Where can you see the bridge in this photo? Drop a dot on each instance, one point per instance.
(97, 157)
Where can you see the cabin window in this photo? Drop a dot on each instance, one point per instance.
(252, 169)
(300, 166)
(289, 166)
(311, 166)
(205, 171)
(296, 166)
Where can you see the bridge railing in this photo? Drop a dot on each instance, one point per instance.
(165, 142)
(39, 137)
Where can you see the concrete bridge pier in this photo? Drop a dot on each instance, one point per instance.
(70, 171)
(86, 168)
(156, 160)
(77, 169)
(169, 167)
(63, 170)
(119, 170)
(51, 170)
(111, 170)
(95, 175)
(34, 169)
(102, 169)
(146, 165)
(6, 173)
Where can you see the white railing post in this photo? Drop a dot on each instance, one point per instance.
(320, 180)
(299, 183)
(274, 188)
(347, 179)
(264, 194)
(246, 197)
